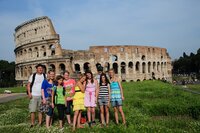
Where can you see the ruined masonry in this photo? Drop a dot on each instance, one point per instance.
(37, 42)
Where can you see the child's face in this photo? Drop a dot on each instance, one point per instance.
(88, 75)
(51, 75)
(83, 79)
(66, 76)
(111, 73)
(60, 81)
(103, 78)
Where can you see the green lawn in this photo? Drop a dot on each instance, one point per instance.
(14, 90)
(149, 106)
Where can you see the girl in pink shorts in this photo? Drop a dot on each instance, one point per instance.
(90, 97)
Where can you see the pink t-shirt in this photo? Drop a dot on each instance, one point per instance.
(69, 87)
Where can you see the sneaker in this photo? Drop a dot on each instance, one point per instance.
(90, 124)
(31, 126)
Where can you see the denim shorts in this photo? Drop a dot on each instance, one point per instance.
(116, 103)
(103, 101)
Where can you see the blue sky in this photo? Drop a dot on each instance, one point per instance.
(172, 24)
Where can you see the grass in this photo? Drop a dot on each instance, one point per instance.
(14, 90)
(195, 87)
(149, 106)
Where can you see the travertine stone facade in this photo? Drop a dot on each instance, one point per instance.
(37, 42)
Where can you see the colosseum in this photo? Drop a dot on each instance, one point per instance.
(37, 42)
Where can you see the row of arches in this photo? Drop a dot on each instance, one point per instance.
(26, 71)
(35, 52)
(143, 67)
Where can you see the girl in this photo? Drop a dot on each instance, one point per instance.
(103, 95)
(47, 86)
(78, 101)
(58, 96)
(69, 85)
(116, 96)
(90, 97)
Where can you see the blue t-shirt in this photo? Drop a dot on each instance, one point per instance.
(47, 88)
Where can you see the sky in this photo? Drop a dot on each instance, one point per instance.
(171, 24)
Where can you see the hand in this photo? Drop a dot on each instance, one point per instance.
(44, 101)
(122, 97)
(30, 96)
(52, 105)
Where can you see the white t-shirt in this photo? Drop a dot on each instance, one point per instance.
(36, 88)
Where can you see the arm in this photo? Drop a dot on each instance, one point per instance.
(29, 87)
(42, 91)
(119, 82)
(81, 86)
(52, 99)
(96, 89)
(108, 95)
(29, 90)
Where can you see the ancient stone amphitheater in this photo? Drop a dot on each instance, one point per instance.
(37, 42)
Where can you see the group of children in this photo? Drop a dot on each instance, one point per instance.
(64, 94)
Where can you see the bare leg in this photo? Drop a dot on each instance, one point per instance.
(107, 114)
(116, 115)
(61, 123)
(93, 113)
(68, 119)
(75, 119)
(40, 118)
(79, 119)
(122, 114)
(32, 118)
(102, 115)
(48, 119)
(89, 114)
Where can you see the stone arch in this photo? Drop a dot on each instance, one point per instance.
(137, 66)
(123, 67)
(86, 66)
(52, 67)
(98, 65)
(29, 70)
(107, 66)
(143, 67)
(36, 52)
(114, 58)
(143, 57)
(52, 48)
(30, 52)
(138, 80)
(130, 67)
(158, 66)
(77, 67)
(62, 68)
(25, 72)
(154, 65)
(149, 67)
(115, 67)
(44, 69)
(22, 71)
(162, 66)
(25, 53)
(43, 49)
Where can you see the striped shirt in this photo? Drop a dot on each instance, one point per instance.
(103, 91)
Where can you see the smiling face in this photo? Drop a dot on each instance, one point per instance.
(39, 69)
(51, 75)
(89, 76)
(103, 78)
(66, 76)
(83, 79)
(60, 81)
(111, 73)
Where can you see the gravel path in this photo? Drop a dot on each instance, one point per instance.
(9, 97)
